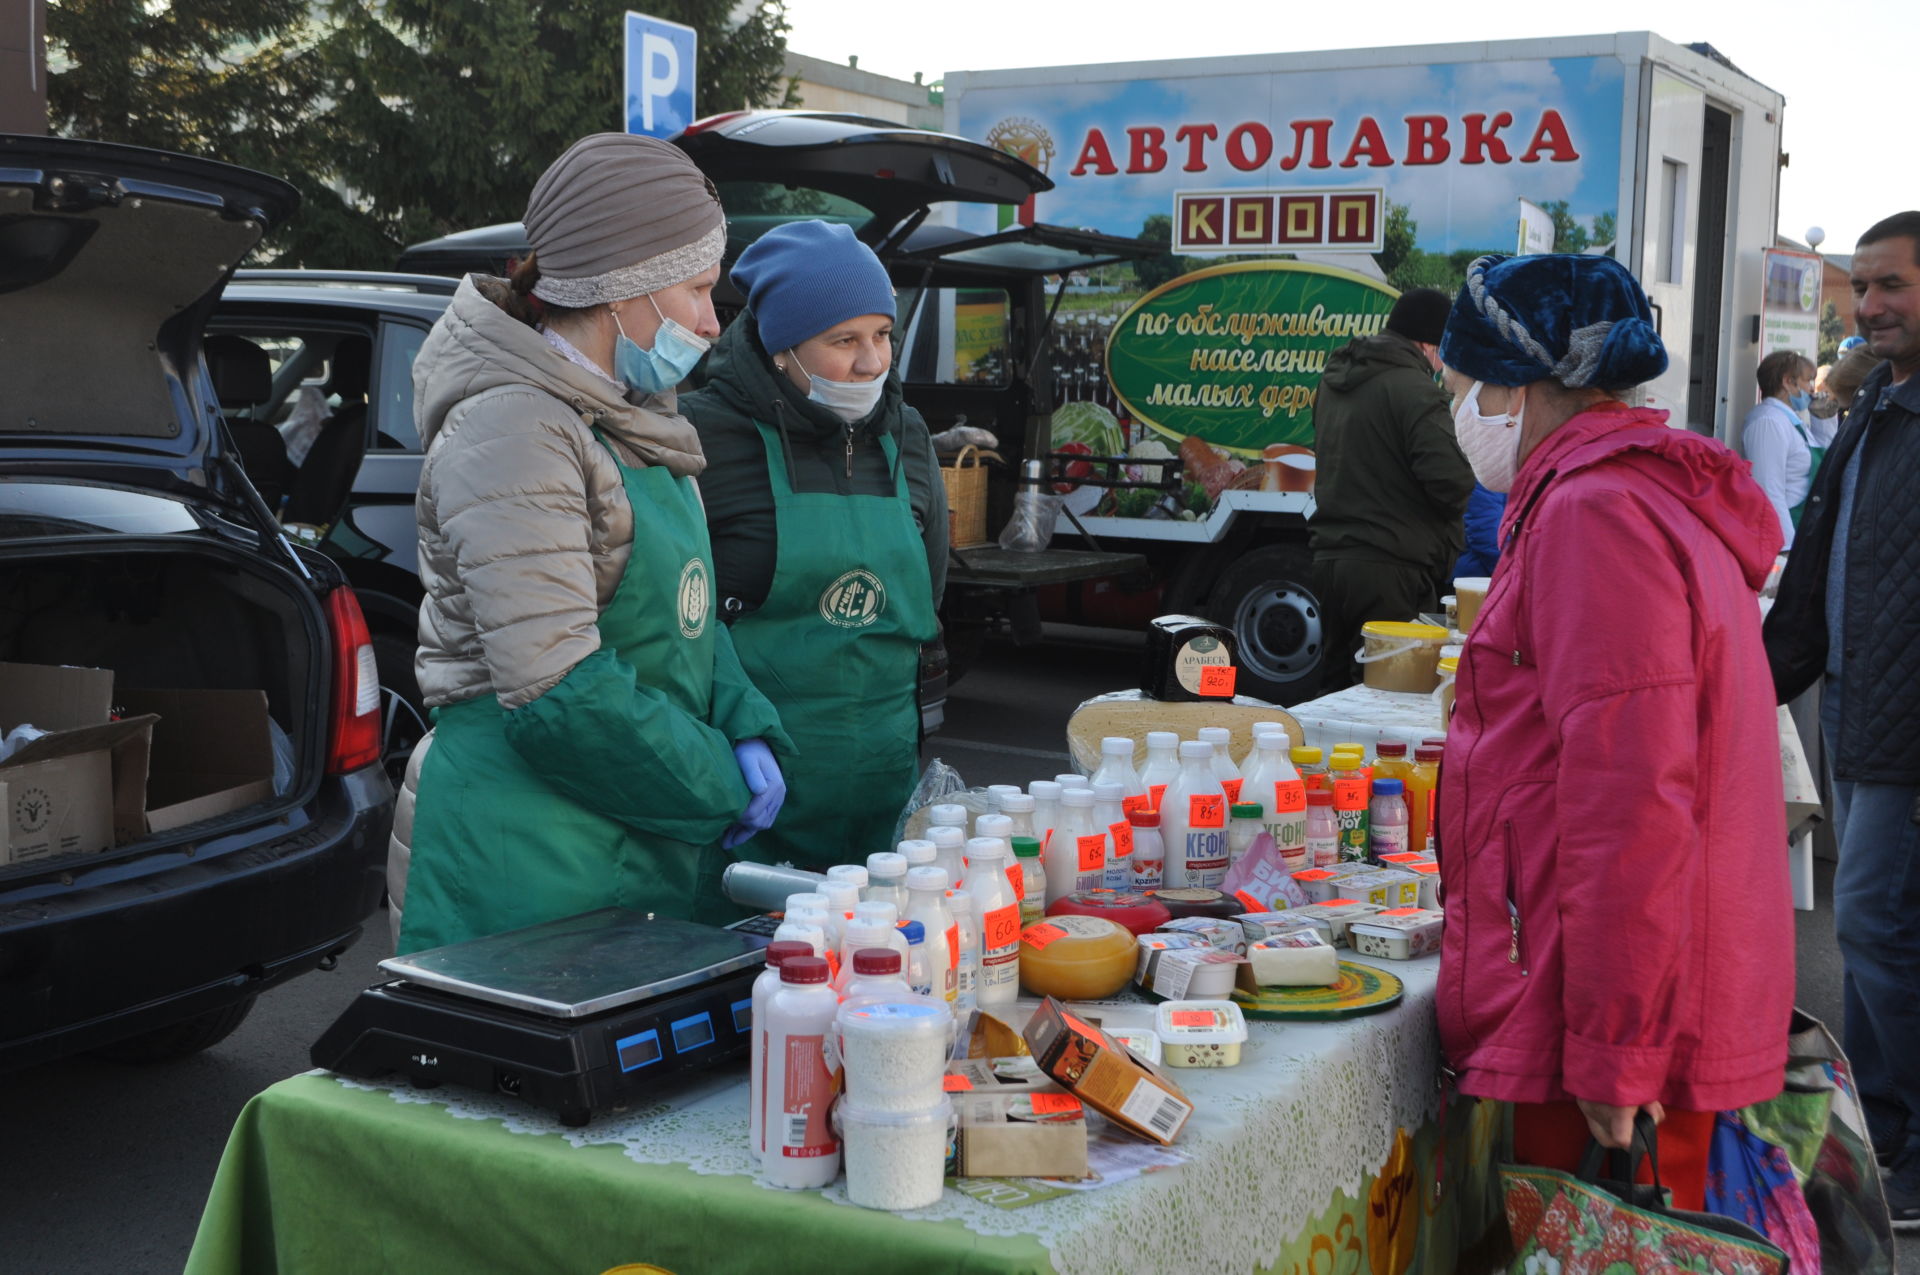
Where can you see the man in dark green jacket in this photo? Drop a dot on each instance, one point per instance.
(1391, 484)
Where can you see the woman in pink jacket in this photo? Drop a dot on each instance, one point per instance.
(1612, 835)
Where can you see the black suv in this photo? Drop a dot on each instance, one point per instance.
(132, 540)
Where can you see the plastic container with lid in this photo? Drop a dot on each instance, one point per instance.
(1399, 656)
(1335, 915)
(1193, 821)
(1398, 934)
(853, 873)
(1033, 880)
(1144, 1042)
(1469, 593)
(895, 1052)
(1223, 933)
(1149, 858)
(1299, 958)
(1163, 765)
(778, 953)
(1132, 911)
(1200, 1033)
(1320, 884)
(1197, 973)
(1110, 816)
(1223, 766)
(949, 815)
(1149, 949)
(1195, 901)
(1116, 767)
(1387, 821)
(1429, 874)
(1076, 958)
(998, 794)
(1387, 888)
(1246, 820)
(1447, 670)
(896, 1160)
(802, 1151)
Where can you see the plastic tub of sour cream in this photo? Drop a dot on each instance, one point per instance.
(1200, 1033)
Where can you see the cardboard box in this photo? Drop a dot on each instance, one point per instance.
(212, 754)
(1107, 1076)
(998, 1135)
(80, 789)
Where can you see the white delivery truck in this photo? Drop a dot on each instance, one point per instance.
(1298, 194)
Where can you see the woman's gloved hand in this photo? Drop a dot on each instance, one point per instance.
(769, 788)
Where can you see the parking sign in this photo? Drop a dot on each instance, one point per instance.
(659, 79)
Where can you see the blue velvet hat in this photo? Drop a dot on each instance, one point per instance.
(1581, 320)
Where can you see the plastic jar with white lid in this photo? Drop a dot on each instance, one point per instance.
(802, 1151)
(896, 1160)
(895, 1052)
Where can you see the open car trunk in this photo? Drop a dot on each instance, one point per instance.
(192, 618)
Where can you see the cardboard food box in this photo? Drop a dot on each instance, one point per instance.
(81, 788)
(1107, 1076)
(1014, 1126)
(212, 753)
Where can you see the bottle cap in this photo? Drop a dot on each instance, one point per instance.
(1026, 848)
(913, 932)
(1357, 750)
(1044, 790)
(1390, 748)
(782, 950)
(804, 969)
(1247, 810)
(809, 899)
(1117, 746)
(876, 960)
(947, 836)
(1018, 803)
(1267, 728)
(1109, 792)
(998, 826)
(849, 872)
(1195, 750)
(928, 878)
(1319, 797)
(1433, 741)
(1144, 818)
(1218, 736)
(987, 848)
(876, 912)
(950, 816)
(1077, 797)
(886, 865)
(1300, 754)
(1162, 739)
(1344, 761)
(1001, 790)
(918, 852)
(841, 896)
(1071, 781)
(1427, 752)
(1388, 787)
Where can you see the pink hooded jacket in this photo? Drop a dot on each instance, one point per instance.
(1612, 831)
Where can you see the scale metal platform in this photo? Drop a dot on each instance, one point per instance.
(578, 1015)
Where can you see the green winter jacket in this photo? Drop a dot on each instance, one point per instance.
(1391, 484)
(741, 388)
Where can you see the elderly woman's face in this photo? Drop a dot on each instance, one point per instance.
(860, 349)
(1494, 399)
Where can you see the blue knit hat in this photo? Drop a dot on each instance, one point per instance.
(802, 278)
(1581, 320)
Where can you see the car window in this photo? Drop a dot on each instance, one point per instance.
(957, 336)
(393, 388)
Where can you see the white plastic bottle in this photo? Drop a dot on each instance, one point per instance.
(1163, 765)
(1149, 857)
(949, 851)
(1116, 767)
(966, 993)
(997, 912)
(1071, 780)
(842, 896)
(919, 957)
(1046, 811)
(852, 873)
(815, 918)
(812, 934)
(1110, 816)
(999, 828)
(1019, 808)
(802, 1152)
(1193, 821)
(927, 904)
(1223, 768)
(949, 815)
(998, 794)
(918, 853)
(1272, 781)
(764, 986)
(878, 974)
(1033, 880)
(874, 924)
(886, 879)
(1253, 749)
(1077, 860)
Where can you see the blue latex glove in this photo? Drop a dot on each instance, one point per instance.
(769, 788)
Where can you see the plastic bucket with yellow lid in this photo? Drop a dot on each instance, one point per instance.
(1449, 669)
(1401, 656)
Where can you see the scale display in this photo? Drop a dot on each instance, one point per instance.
(638, 1050)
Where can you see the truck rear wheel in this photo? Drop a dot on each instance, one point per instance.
(1266, 596)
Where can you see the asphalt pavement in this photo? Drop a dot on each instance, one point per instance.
(108, 1166)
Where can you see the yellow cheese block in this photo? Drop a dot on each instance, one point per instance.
(1075, 958)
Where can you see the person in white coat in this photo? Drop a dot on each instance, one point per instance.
(1776, 439)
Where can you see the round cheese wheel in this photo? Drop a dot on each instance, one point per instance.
(1195, 901)
(1075, 958)
(1136, 912)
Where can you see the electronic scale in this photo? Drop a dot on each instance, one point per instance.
(579, 1015)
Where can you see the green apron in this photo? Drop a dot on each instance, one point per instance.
(496, 847)
(1817, 456)
(836, 647)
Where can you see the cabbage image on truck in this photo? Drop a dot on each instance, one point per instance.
(1298, 195)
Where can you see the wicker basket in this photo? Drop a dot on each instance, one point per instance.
(966, 480)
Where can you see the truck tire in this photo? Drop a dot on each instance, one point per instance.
(1266, 597)
(189, 1036)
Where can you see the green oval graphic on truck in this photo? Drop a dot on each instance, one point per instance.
(1233, 354)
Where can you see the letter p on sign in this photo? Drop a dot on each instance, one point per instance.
(659, 76)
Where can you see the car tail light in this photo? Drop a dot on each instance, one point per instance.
(354, 720)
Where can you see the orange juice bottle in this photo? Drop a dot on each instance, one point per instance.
(1390, 761)
(1422, 783)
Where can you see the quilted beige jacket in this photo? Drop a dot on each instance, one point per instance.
(525, 528)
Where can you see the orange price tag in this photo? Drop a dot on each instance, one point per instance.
(1349, 794)
(1401, 912)
(1093, 853)
(1122, 838)
(1233, 787)
(1191, 1018)
(1289, 797)
(1135, 804)
(955, 1084)
(1018, 880)
(1204, 810)
(1247, 897)
(1081, 1027)
(1000, 927)
(1038, 936)
(953, 947)
(1053, 1104)
(1154, 793)
(1218, 680)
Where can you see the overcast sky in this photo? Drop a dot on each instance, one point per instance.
(1844, 69)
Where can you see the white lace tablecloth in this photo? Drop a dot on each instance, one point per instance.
(1311, 1109)
(1363, 715)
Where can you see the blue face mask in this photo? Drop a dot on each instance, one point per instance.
(1800, 401)
(675, 351)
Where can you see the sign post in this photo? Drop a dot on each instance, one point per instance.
(659, 75)
(1790, 309)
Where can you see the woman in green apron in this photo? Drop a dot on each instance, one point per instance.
(595, 736)
(1775, 440)
(829, 530)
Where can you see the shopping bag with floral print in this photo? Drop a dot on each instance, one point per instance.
(1586, 1224)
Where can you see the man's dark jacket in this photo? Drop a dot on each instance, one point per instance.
(1879, 735)
(1390, 484)
(741, 388)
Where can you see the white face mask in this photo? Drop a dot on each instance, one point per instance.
(1491, 443)
(849, 400)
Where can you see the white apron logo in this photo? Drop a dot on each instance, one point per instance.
(854, 601)
(695, 598)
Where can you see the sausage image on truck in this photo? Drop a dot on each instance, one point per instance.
(1297, 195)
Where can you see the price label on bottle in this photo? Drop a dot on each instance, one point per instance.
(1000, 928)
(1135, 804)
(1122, 834)
(1155, 793)
(1018, 880)
(1289, 797)
(1093, 852)
(1233, 787)
(1217, 680)
(1349, 794)
(1206, 810)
